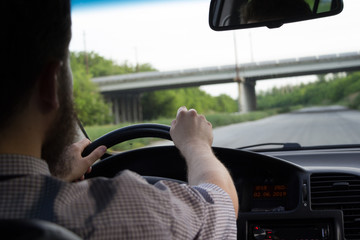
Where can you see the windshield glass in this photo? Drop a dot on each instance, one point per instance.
(138, 61)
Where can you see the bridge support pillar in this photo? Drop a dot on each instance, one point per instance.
(127, 108)
(247, 96)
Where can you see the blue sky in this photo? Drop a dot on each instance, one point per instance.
(175, 35)
(86, 4)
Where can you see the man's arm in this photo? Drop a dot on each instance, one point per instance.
(192, 135)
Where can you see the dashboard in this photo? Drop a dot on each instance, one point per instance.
(289, 195)
(322, 200)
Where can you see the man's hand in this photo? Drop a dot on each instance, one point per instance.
(81, 165)
(192, 135)
(190, 130)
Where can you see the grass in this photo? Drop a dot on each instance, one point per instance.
(216, 119)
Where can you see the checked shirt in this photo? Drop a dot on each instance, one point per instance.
(123, 207)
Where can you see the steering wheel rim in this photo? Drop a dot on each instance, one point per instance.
(128, 133)
(132, 132)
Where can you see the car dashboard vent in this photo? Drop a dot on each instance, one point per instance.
(342, 192)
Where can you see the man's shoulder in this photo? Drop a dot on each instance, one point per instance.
(14, 164)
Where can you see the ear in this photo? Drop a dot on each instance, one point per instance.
(48, 87)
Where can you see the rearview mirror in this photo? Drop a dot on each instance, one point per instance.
(238, 14)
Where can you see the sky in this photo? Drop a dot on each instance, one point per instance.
(175, 35)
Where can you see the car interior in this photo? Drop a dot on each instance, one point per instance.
(289, 192)
(283, 193)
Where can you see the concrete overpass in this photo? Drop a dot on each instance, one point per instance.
(124, 90)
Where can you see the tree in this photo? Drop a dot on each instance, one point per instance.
(163, 103)
(98, 66)
(224, 103)
(340, 89)
(89, 103)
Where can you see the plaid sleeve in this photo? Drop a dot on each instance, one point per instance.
(127, 207)
(123, 207)
(207, 204)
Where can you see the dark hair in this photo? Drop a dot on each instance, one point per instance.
(33, 32)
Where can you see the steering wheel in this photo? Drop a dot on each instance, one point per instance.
(134, 159)
(127, 133)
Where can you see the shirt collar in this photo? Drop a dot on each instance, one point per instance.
(11, 164)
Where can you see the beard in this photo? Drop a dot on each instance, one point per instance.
(62, 133)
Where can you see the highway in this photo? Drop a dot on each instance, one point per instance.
(308, 127)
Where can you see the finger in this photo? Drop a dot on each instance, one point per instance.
(183, 108)
(89, 170)
(96, 154)
(82, 144)
(173, 123)
(203, 118)
(193, 112)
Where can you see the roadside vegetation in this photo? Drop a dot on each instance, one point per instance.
(91, 107)
(342, 89)
(163, 104)
(160, 106)
(216, 119)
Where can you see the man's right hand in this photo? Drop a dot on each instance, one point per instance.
(192, 135)
(190, 130)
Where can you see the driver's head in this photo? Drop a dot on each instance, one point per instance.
(34, 49)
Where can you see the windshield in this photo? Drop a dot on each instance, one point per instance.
(138, 61)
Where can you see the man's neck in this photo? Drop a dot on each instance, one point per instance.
(20, 140)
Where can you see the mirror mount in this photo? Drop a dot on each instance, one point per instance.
(240, 14)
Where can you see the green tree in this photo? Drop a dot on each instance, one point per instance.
(91, 107)
(89, 103)
(98, 66)
(339, 89)
(163, 103)
(225, 104)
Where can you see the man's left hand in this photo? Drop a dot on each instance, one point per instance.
(81, 165)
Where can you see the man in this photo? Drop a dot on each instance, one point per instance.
(37, 164)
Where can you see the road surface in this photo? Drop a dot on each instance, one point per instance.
(308, 127)
(313, 126)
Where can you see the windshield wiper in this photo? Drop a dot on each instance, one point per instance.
(297, 146)
(285, 146)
